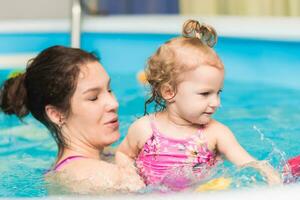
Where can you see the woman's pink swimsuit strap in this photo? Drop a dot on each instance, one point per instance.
(65, 161)
(174, 163)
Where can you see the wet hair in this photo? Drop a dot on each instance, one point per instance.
(170, 61)
(50, 79)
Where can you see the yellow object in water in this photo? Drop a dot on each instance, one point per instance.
(15, 74)
(215, 184)
(141, 76)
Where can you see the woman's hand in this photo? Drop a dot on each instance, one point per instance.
(129, 174)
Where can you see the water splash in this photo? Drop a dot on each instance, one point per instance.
(278, 158)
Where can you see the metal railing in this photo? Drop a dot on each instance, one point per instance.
(76, 24)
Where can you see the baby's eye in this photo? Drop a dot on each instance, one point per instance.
(109, 88)
(220, 91)
(204, 93)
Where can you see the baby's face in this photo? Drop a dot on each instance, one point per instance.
(198, 94)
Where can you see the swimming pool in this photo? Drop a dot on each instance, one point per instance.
(259, 102)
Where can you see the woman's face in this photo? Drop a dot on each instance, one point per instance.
(93, 119)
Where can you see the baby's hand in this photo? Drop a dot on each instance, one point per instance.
(273, 177)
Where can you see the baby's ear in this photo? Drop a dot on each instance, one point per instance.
(167, 92)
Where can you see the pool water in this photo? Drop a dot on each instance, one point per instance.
(260, 103)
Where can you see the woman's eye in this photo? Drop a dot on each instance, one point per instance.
(93, 99)
(219, 91)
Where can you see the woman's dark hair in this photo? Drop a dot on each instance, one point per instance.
(50, 79)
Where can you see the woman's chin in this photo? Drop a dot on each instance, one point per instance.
(115, 136)
(110, 138)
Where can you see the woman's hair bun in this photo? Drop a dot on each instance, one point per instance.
(13, 96)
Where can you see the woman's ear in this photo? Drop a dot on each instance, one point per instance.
(54, 115)
(167, 92)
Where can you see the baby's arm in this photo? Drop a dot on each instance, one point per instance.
(130, 146)
(234, 152)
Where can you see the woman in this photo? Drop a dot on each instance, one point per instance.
(69, 91)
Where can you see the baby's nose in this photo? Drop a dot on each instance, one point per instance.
(215, 101)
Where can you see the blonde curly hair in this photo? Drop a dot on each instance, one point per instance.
(179, 55)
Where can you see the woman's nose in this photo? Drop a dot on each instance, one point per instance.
(112, 103)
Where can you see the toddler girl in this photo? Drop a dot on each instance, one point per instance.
(181, 141)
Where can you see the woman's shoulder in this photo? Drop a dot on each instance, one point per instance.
(88, 167)
(87, 174)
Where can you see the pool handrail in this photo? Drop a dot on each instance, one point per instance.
(75, 24)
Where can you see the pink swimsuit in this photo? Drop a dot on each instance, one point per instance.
(174, 163)
(59, 165)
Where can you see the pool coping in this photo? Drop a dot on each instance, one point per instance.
(274, 28)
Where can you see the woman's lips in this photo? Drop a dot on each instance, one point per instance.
(209, 113)
(113, 123)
